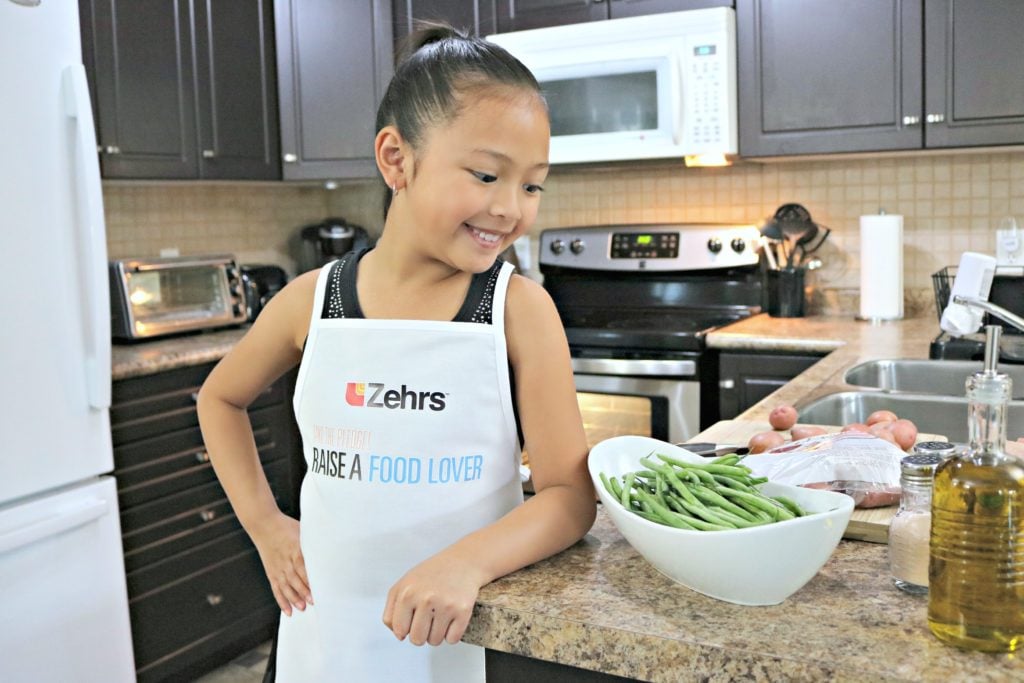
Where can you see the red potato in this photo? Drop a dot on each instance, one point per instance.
(881, 416)
(856, 427)
(905, 433)
(782, 417)
(759, 443)
(883, 430)
(803, 431)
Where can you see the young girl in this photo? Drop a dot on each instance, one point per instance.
(420, 361)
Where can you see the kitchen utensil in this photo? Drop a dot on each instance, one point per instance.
(707, 449)
(760, 565)
(799, 234)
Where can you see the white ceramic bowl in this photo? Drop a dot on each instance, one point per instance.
(760, 565)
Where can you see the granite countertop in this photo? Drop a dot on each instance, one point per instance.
(600, 606)
(846, 341)
(147, 357)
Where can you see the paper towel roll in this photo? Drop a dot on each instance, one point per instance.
(881, 267)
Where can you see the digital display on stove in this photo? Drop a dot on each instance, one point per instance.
(645, 245)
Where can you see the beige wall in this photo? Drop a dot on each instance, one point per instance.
(950, 203)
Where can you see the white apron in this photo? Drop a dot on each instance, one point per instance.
(410, 442)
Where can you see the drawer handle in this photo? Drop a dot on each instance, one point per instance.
(202, 456)
(207, 515)
(214, 599)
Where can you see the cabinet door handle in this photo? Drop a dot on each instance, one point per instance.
(214, 599)
(207, 515)
(209, 154)
(935, 118)
(727, 384)
(290, 158)
(202, 456)
(113, 149)
(911, 120)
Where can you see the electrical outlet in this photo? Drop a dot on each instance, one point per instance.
(1009, 244)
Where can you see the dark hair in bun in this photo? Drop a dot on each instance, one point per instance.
(440, 63)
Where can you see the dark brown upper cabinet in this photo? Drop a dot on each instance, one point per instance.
(974, 76)
(183, 88)
(334, 62)
(520, 15)
(816, 76)
(475, 17)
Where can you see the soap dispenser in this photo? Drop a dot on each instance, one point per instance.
(976, 545)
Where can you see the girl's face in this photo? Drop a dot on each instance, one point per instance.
(478, 179)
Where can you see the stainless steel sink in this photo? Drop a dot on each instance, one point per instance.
(943, 377)
(945, 415)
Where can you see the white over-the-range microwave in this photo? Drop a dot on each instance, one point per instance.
(644, 87)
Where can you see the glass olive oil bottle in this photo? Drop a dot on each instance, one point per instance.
(976, 551)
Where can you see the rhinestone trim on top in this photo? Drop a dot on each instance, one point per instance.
(335, 307)
(482, 313)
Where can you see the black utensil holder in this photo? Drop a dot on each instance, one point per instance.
(784, 290)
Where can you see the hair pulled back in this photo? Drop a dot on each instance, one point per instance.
(440, 64)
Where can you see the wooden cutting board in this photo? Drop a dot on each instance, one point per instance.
(865, 525)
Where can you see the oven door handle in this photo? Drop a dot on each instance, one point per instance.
(635, 368)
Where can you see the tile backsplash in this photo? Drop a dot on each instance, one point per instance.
(950, 203)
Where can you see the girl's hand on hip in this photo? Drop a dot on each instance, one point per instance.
(278, 544)
(433, 602)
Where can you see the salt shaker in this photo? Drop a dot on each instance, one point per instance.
(910, 528)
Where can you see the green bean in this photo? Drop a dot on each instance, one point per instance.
(706, 467)
(777, 510)
(666, 515)
(793, 506)
(712, 497)
(627, 486)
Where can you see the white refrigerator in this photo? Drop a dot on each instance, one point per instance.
(63, 602)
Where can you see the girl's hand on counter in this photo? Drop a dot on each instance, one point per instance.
(433, 602)
(278, 544)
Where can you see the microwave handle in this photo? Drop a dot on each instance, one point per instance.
(94, 288)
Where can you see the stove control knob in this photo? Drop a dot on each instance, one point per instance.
(557, 247)
(577, 246)
(738, 244)
(714, 245)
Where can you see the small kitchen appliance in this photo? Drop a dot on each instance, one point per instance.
(261, 283)
(323, 242)
(154, 297)
(637, 302)
(642, 87)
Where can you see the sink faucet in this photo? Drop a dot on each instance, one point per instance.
(988, 307)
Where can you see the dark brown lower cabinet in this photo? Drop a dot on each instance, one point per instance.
(746, 378)
(197, 593)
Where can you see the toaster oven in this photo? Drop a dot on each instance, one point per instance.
(163, 296)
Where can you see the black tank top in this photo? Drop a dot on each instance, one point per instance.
(342, 301)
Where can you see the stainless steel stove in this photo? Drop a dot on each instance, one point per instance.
(637, 302)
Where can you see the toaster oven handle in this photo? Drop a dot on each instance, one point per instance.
(92, 258)
(181, 263)
(634, 368)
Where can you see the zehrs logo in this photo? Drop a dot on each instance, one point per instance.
(376, 395)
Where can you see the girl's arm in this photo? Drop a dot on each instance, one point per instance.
(269, 349)
(433, 602)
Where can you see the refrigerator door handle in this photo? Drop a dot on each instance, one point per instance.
(92, 245)
(51, 525)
